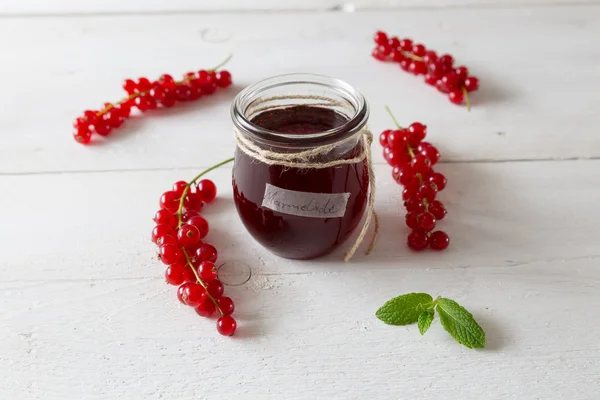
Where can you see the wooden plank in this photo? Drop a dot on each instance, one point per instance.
(37, 7)
(97, 225)
(305, 336)
(538, 99)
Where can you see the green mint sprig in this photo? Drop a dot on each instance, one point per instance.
(421, 307)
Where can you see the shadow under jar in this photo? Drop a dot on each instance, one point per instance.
(294, 212)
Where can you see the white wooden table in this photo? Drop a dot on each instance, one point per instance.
(85, 312)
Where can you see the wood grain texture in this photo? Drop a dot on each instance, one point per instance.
(537, 99)
(85, 313)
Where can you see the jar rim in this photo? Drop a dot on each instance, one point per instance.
(253, 92)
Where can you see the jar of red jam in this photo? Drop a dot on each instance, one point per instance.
(300, 212)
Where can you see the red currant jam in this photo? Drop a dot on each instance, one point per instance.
(301, 213)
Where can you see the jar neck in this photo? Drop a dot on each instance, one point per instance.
(287, 92)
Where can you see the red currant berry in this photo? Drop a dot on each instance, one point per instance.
(171, 254)
(417, 68)
(188, 214)
(162, 230)
(224, 79)
(226, 305)
(411, 220)
(439, 180)
(405, 64)
(397, 157)
(143, 103)
(394, 42)
(206, 252)
(207, 271)
(408, 193)
(167, 239)
(189, 275)
(414, 205)
(166, 217)
(179, 187)
(188, 236)
(383, 137)
(191, 294)
(426, 222)
(380, 37)
(416, 133)
(130, 86)
(406, 44)
(377, 55)
(431, 79)
(167, 81)
(384, 49)
(427, 191)
(456, 96)
(450, 81)
(200, 223)
(183, 93)
(158, 94)
(417, 240)
(407, 177)
(207, 190)
(169, 201)
(192, 201)
(169, 100)
(439, 85)
(437, 209)
(206, 308)
(397, 55)
(82, 134)
(447, 61)
(174, 274)
(430, 57)
(397, 139)
(226, 325)
(420, 164)
(430, 152)
(439, 240)
(215, 288)
(125, 109)
(418, 50)
(471, 84)
(102, 127)
(143, 84)
(462, 73)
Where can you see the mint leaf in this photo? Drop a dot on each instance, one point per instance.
(405, 309)
(460, 324)
(425, 319)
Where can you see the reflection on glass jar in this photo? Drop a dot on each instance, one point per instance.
(298, 212)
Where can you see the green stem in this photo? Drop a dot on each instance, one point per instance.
(187, 188)
(200, 281)
(466, 94)
(410, 149)
(222, 63)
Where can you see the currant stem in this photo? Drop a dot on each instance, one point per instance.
(464, 90)
(222, 63)
(200, 281)
(410, 55)
(410, 149)
(187, 188)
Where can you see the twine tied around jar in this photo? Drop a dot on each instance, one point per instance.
(306, 159)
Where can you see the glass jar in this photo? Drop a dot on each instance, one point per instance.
(297, 212)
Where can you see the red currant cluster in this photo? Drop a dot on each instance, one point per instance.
(146, 95)
(412, 160)
(439, 71)
(190, 262)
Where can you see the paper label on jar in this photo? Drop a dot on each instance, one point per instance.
(305, 204)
